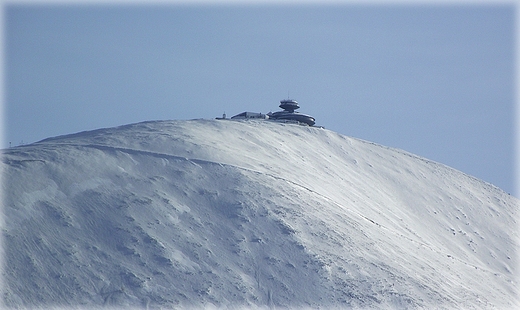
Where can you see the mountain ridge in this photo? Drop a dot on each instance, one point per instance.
(249, 213)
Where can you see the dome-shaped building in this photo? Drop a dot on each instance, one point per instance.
(288, 113)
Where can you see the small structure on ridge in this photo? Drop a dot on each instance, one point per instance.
(287, 115)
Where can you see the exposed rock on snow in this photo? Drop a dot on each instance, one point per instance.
(210, 213)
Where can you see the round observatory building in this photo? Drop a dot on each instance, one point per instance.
(288, 114)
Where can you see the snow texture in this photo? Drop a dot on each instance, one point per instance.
(248, 214)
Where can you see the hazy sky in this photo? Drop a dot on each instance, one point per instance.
(437, 81)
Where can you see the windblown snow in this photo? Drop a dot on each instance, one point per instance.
(254, 214)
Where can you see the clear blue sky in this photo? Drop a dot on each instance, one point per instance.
(437, 81)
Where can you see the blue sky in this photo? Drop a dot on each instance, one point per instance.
(434, 80)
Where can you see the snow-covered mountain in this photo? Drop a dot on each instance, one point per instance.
(255, 214)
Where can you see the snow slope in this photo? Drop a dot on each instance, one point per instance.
(256, 214)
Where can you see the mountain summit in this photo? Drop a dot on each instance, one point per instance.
(255, 214)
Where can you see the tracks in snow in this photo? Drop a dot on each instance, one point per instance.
(200, 162)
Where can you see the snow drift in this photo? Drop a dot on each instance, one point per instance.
(232, 214)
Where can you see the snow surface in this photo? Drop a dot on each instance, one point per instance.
(255, 214)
